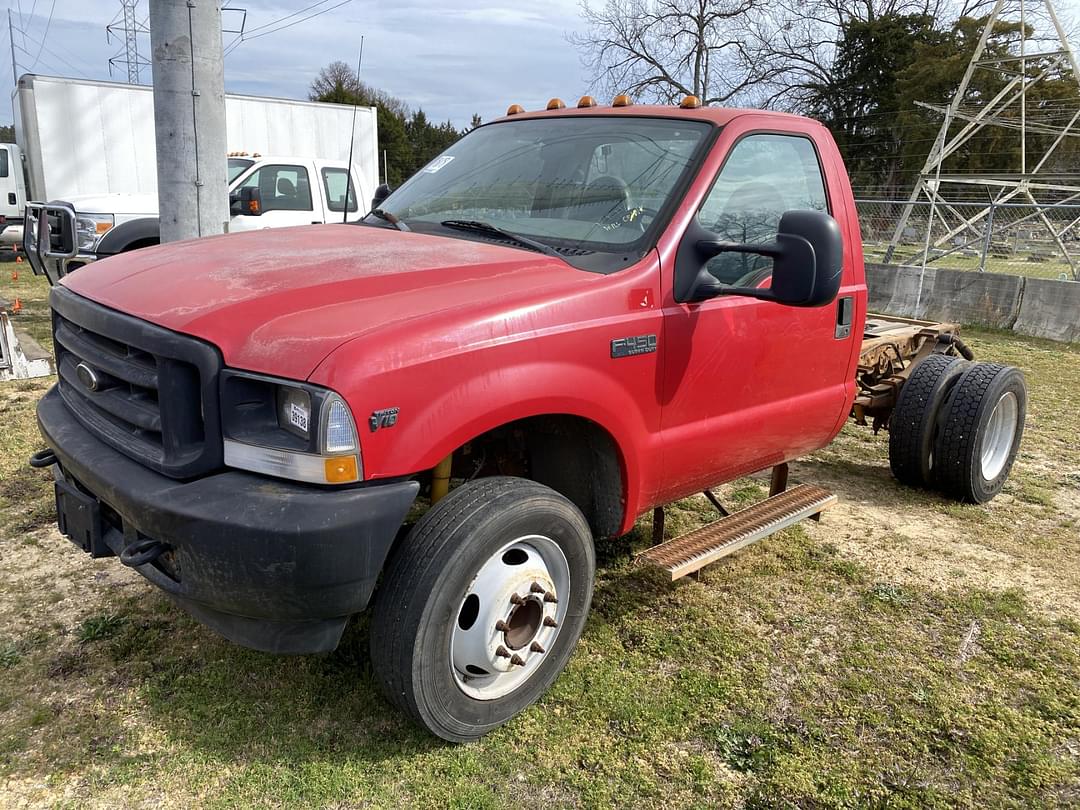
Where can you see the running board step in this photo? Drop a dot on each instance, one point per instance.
(695, 550)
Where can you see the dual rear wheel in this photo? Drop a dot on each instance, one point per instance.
(956, 427)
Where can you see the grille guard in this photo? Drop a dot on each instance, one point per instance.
(49, 249)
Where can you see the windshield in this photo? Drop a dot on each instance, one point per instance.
(583, 185)
(237, 166)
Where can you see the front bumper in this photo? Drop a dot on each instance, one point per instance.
(269, 564)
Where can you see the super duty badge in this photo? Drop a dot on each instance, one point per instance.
(630, 346)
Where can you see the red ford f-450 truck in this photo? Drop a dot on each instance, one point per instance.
(575, 315)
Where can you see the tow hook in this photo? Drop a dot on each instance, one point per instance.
(141, 552)
(43, 458)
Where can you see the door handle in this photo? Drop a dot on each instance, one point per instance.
(845, 311)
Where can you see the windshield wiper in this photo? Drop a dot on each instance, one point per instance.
(382, 213)
(487, 227)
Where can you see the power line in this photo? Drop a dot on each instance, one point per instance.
(44, 36)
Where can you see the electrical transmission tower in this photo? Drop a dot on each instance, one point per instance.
(126, 28)
(1037, 182)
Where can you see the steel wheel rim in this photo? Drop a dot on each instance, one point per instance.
(998, 438)
(509, 617)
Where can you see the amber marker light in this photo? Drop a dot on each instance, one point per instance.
(621, 100)
(556, 104)
(690, 103)
(514, 109)
(341, 470)
(586, 101)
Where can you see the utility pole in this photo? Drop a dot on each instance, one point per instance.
(189, 118)
(11, 39)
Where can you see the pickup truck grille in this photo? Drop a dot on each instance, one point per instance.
(148, 392)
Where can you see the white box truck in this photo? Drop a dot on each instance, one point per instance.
(90, 144)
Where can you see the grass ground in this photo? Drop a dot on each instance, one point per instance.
(1053, 267)
(905, 652)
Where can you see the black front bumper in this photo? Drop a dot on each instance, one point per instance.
(269, 564)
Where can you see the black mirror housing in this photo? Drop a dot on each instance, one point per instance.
(808, 259)
(382, 191)
(249, 202)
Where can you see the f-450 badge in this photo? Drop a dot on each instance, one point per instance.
(385, 418)
(630, 346)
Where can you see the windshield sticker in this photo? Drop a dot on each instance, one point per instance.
(437, 164)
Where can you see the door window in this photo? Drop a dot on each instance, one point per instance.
(764, 176)
(281, 187)
(4, 168)
(335, 181)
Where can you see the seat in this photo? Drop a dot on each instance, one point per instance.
(751, 215)
(606, 199)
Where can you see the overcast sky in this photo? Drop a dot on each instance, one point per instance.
(450, 57)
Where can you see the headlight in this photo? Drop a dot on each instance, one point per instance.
(91, 227)
(288, 429)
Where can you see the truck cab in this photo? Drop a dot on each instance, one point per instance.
(12, 194)
(285, 191)
(574, 315)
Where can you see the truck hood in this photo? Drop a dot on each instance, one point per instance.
(279, 301)
(141, 204)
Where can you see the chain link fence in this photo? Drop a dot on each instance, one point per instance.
(1017, 238)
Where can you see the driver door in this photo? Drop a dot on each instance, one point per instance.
(750, 383)
(285, 194)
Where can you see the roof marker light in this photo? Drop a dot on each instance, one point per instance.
(556, 104)
(690, 103)
(514, 109)
(622, 100)
(586, 101)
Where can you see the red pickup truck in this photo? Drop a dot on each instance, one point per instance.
(577, 315)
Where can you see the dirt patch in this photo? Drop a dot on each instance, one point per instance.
(923, 540)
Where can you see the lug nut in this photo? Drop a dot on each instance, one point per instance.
(535, 647)
(536, 587)
(550, 622)
(550, 597)
(502, 652)
(516, 600)
(501, 626)
(517, 660)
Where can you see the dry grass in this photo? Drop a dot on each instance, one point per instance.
(905, 652)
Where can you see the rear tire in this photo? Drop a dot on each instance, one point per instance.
(981, 427)
(913, 426)
(491, 553)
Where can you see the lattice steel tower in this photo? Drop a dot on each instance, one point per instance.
(1034, 181)
(126, 28)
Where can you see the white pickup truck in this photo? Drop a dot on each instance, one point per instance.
(264, 192)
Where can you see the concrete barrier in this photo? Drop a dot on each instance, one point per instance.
(1050, 309)
(1029, 306)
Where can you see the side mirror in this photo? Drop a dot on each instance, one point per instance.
(807, 262)
(247, 202)
(381, 193)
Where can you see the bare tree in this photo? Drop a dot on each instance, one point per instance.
(661, 50)
(337, 82)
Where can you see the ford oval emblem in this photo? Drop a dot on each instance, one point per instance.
(87, 376)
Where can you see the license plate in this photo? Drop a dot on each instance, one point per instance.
(79, 517)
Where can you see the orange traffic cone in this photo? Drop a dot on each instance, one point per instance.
(16, 308)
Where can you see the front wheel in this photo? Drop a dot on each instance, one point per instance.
(482, 605)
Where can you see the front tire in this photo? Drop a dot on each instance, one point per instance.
(482, 605)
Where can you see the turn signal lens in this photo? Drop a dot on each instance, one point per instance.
(514, 109)
(340, 433)
(586, 101)
(341, 470)
(622, 100)
(690, 103)
(556, 104)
